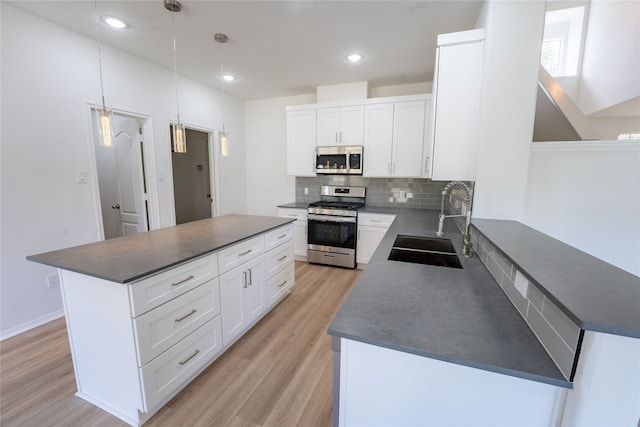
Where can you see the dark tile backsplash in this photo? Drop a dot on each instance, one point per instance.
(381, 192)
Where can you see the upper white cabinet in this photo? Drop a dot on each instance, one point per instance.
(394, 139)
(456, 105)
(340, 125)
(301, 142)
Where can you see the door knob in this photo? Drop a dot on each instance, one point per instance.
(116, 206)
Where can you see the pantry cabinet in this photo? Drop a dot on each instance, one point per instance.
(456, 105)
(394, 139)
(301, 142)
(340, 125)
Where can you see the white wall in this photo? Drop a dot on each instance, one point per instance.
(268, 184)
(49, 75)
(512, 54)
(587, 195)
(611, 56)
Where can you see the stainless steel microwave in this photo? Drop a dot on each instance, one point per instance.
(339, 160)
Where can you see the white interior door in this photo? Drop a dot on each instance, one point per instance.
(120, 179)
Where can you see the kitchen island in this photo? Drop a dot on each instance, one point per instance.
(147, 313)
(426, 345)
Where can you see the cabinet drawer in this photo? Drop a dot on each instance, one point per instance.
(278, 258)
(150, 293)
(161, 328)
(278, 236)
(375, 220)
(165, 374)
(298, 214)
(280, 284)
(239, 253)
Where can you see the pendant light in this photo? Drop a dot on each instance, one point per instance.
(107, 133)
(224, 140)
(178, 132)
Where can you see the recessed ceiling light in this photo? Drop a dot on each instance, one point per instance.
(354, 57)
(114, 22)
(228, 77)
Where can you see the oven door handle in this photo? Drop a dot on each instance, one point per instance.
(331, 218)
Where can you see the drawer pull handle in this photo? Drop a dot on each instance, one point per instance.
(185, 361)
(282, 284)
(182, 281)
(280, 237)
(193, 311)
(245, 253)
(282, 258)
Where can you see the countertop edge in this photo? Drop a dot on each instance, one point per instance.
(457, 361)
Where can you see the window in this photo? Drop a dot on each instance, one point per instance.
(562, 41)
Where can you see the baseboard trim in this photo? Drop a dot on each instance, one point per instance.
(30, 325)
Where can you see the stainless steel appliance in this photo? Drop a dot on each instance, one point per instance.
(332, 226)
(339, 160)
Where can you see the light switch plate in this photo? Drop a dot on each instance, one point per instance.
(82, 176)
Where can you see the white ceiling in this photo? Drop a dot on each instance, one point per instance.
(276, 48)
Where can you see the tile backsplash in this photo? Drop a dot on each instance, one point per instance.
(559, 335)
(381, 192)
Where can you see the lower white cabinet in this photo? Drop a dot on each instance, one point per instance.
(242, 296)
(299, 230)
(136, 345)
(371, 229)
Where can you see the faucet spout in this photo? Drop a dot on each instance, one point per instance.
(466, 240)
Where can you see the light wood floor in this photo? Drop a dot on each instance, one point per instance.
(278, 374)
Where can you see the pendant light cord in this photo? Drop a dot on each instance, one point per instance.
(222, 93)
(175, 62)
(95, 5)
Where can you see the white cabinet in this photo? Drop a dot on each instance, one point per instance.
(279, 264)
(301, 142)
(394, 139)
(340, 125)
(456, 105)
(242, 297)
(371, 229)
(299, 230)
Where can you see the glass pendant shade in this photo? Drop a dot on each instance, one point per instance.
(179, 138)
(107, 134)
(224, 144)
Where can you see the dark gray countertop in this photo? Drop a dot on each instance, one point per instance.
(125, 259)
(455, 315)
(596, 295)
(295, 205)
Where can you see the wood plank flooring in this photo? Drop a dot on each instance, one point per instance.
(278, 374)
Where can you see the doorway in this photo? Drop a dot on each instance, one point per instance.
(192, 193)
(121, 177)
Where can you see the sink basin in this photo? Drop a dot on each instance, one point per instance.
(425, 250)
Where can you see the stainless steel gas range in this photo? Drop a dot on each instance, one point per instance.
(333, 224)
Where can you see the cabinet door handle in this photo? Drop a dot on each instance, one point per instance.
(193, 311)
(244, 284)
(250, 279)
(245, 253)
(426, 164)
(282, 258)
(182, 281)
(282, 284)
(185, 361)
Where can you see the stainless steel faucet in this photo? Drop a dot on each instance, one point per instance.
(466, 239)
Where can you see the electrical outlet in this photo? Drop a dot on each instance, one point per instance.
(403, 194)
(306, 190)
(52, 280)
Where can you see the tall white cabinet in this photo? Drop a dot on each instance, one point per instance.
(456, 104)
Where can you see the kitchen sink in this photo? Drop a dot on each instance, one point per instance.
(424, 250)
